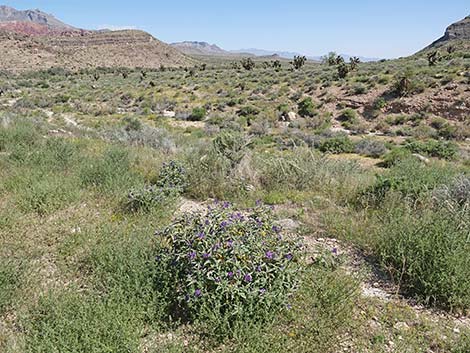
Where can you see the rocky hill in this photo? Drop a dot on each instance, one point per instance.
(459, 31)
(199, 48)
(32, 40)
(9, 15)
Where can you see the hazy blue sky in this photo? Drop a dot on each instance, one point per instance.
(373, 28)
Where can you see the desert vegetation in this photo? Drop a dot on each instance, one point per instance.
(237, 206)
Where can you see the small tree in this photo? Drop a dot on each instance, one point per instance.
(248, 64)
(298, 62)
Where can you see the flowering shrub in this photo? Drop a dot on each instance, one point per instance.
(228, 267)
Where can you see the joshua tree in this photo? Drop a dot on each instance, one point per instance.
(354, 62)
(298, 62)
(248, 64)
(276, 65)
(96, 76)
(451, 49)
(203, 67)
(330, 59)
(433, 58)
(339, 60)
(343, 70)
(235, 66)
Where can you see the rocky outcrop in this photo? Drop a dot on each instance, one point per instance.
(457, 31)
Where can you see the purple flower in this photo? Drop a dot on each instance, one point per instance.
(259, 222)
(258, 268)
(276, 229)
(192, 255)
(289, 256)
(230, 274)
(206, 256)
(248, 278)
(258, 202)
(270, 255)
(335, 251)
(226, 204)
(262, 291)
(197, 293)
(224, 224)
(207, 222)
(217, 280)
(230, 243)
(216, 247)
(201, 235)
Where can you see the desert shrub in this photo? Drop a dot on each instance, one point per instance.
(349, 116)
(370, 148)
(455, 192)
(410, 178)
(337, 144)
(303, 170)
(306, 107)
(132, 124)
(228, 268)
(407, 84)
(198, 114)
(72, 322)
(396, 155)
(359, 88)
(147, 136)
(170, 184)
(231, 145)
(211, 174)
(426, 253)
(380, 103)
(433, 148)
(248, 111)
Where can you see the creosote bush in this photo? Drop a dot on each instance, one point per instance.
(228, 268)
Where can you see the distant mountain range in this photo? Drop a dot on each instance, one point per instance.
(203, 48)
(33, 40)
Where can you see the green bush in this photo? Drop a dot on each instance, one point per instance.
(336, 145)
(198, 114)
(426, 254)
(434, 148)
(410, 178)
(306, 108)
(171, 183)
(228, 268)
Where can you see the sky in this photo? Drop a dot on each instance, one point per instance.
(370, 28)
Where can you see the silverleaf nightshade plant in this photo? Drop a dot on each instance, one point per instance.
(228, 268)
